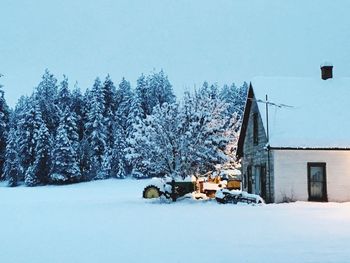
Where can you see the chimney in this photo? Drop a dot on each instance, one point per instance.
(326, 71)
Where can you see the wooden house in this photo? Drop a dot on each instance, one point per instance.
(295, 138)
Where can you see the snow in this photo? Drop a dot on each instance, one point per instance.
(108, 221)
(318, 116)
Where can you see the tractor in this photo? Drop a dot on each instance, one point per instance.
(222, 185)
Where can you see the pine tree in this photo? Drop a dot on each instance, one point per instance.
(96, 130)
(125, 106)
(29, 122)
(64, 96)
(12, 167)
(46, 94)
(69, 121)
(38, 172)
(109, 95)
(109, 110)
(160, 90)
(152, 91)
(142, 96)
(235, 98)
(4, 128)
(120, 168)
(65, 168)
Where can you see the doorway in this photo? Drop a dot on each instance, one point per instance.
(317, 182)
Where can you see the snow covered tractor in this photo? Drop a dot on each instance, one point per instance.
(224, 187)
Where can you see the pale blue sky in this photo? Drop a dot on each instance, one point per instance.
(220, 41)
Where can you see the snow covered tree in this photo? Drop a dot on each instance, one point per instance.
(109, 95)
(109, 108)
(46, 94)
(161, 89)
(78, 107)
(38, 172)
(85, 162)
(96, 130)
(204, 121)
(29, 122)
(120, 168)
(64, 96)
(69, 121)
(142, 96)
(235, 98)
(65, 168)
(152, 91)
(12, 167)
(125, 112)
(4, 128)
(181, 140)
(157, 143)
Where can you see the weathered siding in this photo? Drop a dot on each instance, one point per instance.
(256, 154)
(291, 176)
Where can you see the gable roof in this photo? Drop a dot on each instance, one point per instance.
(319, 116)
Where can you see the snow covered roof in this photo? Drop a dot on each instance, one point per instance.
(319, 116)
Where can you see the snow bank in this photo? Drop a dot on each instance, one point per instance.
(108, 221)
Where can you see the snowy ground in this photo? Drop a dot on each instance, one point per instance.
(107, 221)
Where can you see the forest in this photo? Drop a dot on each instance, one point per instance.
(61, 135)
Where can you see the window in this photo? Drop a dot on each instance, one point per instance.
(255, 128)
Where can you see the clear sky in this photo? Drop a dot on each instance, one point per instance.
(220, 41)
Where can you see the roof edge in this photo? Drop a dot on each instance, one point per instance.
(311, 148)
(242, 132)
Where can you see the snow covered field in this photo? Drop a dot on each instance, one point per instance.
(108, 221)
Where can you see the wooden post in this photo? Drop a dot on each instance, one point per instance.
(268, 151)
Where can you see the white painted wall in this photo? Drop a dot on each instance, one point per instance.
(290, 172)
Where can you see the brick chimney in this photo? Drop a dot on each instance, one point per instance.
(326, 71)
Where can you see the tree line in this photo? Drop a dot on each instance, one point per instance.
(59, 135)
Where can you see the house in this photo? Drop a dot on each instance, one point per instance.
(295, 138)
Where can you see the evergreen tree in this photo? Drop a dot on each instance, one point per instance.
(64, 96)
(85, 162)
(69, 121)
(109, 95)
(142, 96)
(235, 98)
(38, 172)
(4, 128)
(152, 91)
(120, 168)
(78, 107)
(108, 110)
(125, 107)
(46, 94)
(29, 123)
(96, 130)
(160, 90)
(12, 167)
(65, 168)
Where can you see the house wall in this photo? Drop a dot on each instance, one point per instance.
(256, 154)
(291, 175)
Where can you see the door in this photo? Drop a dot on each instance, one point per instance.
(317, 183)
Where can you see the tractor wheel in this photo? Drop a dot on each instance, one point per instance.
(151, 191)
